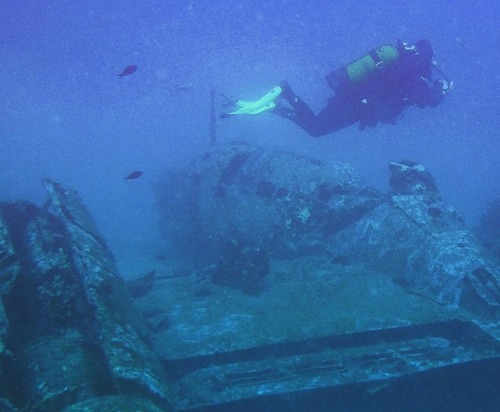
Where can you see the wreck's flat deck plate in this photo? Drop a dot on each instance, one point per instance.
(301, 299)
(375, 360)
(315, 328)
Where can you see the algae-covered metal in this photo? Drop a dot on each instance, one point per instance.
(280, 201)
(130, 362)
(319, 294)
(292, 206)
(68, 330)
(369, 295)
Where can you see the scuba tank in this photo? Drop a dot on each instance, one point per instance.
(360, 71)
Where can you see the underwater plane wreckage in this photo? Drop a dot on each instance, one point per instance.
(305, 290)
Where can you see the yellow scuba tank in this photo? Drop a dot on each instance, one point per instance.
(364, 69)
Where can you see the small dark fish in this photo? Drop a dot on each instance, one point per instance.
(134, 175)
(127, 71)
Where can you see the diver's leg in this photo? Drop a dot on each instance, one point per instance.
(339, 113)
(298, 111)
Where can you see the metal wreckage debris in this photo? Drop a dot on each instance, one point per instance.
(71, 334)
(306, 291)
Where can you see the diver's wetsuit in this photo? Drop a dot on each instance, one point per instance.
(382, 99)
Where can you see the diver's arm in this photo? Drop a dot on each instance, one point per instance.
(424, 92)
(437, 92)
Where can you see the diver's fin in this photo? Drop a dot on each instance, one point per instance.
(264, 104)
(264, 108)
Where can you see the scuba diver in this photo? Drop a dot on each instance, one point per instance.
(378, 87)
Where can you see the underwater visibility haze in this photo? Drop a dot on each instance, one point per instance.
(355, 271)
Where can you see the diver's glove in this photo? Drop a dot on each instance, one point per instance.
(444, 85)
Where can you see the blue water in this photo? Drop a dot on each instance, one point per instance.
(64, 113)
